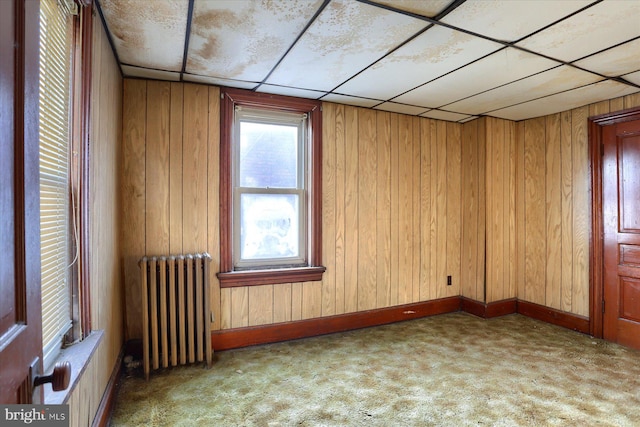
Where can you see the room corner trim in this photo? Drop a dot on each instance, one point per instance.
(487, 311)
(243, 337)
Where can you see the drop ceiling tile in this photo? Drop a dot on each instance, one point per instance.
(148, 73)
(633, 77)
(344, 39)
(150, 37)
(497, 69)
(351, 100)
(468, 119)
(510, 20)
(598, 27)
(437, 51)
(565, 100)
(394, 107)
(445, 115)
(419, 7)
(552, 81)
(614, 62)
(290, 91)
(244, 40)
(240, 84)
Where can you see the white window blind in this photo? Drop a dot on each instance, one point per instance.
(56, 43)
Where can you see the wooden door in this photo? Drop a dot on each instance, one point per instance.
(621, 220)
(20, 313)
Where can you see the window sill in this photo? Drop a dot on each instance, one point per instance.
(234, 279)
(78, 355)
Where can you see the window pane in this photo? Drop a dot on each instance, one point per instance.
(268, 155)
(269, 226)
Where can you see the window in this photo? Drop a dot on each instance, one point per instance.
(270, 189)
(58, 175)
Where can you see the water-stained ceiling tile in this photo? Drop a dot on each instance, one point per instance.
(290, 91)
(351, 100)
(510, 20)
(150, 73)
(614, 62)
(344, 39)
(144, 36)
(437, 51)
(592, 30)
(420, 7)
(394, 107)
(542, 84)
(565, 100)
(445, 115)
(633, 78)
(494, 70)
(240, 84)
(244, 40)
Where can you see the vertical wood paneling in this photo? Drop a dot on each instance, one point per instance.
(469, 254)
(405, 206)
(383, 210)
(340, 200)
(491, 210)
(296, 301)
(535, 225)
(510, 206)
(175, 169)
(567, 211)
(441, 211)
(553, 189)
(425, 209)
(225, 309)
(157, 171)
(581, 216)
(395, 209)
(482, 210)
(239, 307)
(417, 213)
(311, 300)
(282, 303)
(631, 101)
(521, 208)
(213, 201)
(351, 210)
(132, 234)
(367, 203)
(329, 209)
(453, 207)
(260, 305)
(434, 187)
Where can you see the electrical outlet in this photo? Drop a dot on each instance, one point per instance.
(448, 280)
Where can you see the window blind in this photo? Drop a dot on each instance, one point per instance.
(56, 43)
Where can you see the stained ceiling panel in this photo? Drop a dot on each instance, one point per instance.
(615, 62)
(149, 37)
(446, 59)
(592, 30)
(510, 20)
(497, 69)
(565, 100)
(243, 40)
(344, 39)
(542, 84)
(437, 51)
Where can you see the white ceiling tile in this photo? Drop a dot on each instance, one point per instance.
(437, 51)
(614, 62)
(605, 24)
(565, 101)
(419, 7)
(558, 79)
(445, 115)
(290, 91)
(344, 39)
(149, 73)
(350, 100)
(400, 108)
(244, 40)
(633, 77)
(468, 119)
(150, 37)
(219, 82)
(497, 69)
(510, 20)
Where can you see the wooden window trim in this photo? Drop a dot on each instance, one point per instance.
(227, 276)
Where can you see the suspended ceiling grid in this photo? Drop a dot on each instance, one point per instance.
(449, 60)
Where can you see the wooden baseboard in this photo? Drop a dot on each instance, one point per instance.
(553, 316)
(243, 337)
(103, 414)
(487, 311)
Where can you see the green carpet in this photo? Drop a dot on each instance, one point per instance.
(448, 370)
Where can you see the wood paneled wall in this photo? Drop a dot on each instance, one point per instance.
(553, 206)
(105, 268)
(391, 205)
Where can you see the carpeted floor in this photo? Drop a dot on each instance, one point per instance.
(449, 370)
